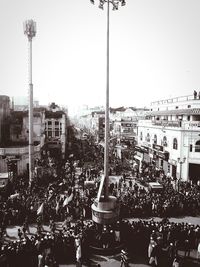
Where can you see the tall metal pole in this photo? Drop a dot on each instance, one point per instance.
(115, 4)
(30, 31)
(105, 209)
(107, 122)
(31, 163)
(180, 175)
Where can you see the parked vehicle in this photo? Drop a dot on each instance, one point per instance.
(155, 187)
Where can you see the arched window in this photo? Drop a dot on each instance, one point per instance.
(141, 136)
(148, 137)
(164, 141)
(155, 139)
(197, 146)
(175, 144)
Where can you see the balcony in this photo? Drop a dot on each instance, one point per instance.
(174, 100)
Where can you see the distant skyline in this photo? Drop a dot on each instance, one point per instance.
(154, 51)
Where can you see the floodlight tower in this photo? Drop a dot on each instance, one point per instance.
(105, 209)
(30, 31)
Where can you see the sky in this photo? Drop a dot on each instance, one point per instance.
(154, 51)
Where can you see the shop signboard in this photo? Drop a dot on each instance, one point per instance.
(172, 162)
(163, 155)
(145, 149)
(12, 157)
(157, 147)
(138, 148)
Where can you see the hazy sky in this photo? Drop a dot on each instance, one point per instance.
(154, 51)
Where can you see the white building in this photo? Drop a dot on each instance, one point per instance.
(56, 129)
(170, 137)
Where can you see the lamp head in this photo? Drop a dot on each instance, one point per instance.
(30, 28)
(101, 5)
(115, 3)
(115, 6)
(123, 2)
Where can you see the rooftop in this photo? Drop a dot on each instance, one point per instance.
(174, 100)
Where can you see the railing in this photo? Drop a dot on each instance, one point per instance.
(173, 100)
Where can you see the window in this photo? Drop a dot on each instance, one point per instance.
(148, 137)
(155, 139)
(197, 146)
(57, 133)
(189, 106)
(161, 163)
(191, 148)
(175, 144)
(141, 136)
(164, 141)
(49, 122)
(188, 118)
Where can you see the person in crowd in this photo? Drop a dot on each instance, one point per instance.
(124, 258)
(176, 262)
(198, 251)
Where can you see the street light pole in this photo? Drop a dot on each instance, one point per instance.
(107, 121)
(109, 208)
(115, 4)
(30, 31)
(181, 163)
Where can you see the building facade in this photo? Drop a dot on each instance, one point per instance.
(4, 118)
(169, 137)
(15, 152)
(55, 130)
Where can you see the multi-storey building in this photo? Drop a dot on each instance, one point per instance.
(55, 129)
(124, 121)
(15, 151)
(169, 137)
(4, 116)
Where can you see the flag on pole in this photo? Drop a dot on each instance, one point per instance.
(14, 196)
(40, 209)
(57, 207)
(67, 200)
(50, 195)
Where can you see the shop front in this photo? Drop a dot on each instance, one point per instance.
(173, 168)
(163, 160)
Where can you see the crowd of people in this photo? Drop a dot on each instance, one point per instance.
(166, 203)
(161, 241)
(62, 194)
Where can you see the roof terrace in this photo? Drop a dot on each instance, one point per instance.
(175, 100)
